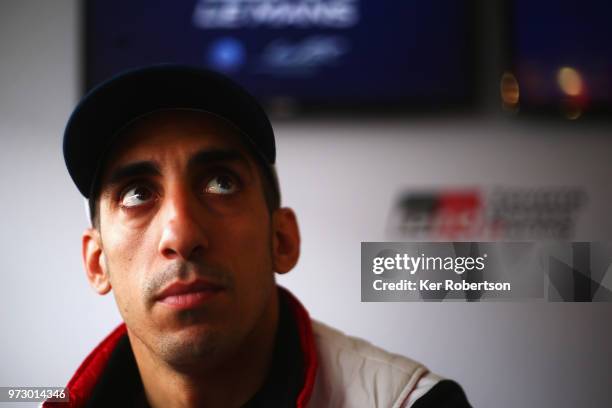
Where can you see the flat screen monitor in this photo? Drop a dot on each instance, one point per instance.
(561, 54)
(374, 54)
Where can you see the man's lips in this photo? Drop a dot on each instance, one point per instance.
(188, 294)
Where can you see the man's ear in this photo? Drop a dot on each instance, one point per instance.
(285, 240)
(95, 264)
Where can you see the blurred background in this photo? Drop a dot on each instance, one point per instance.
(395, 121)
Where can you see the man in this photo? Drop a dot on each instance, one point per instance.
(187, 230)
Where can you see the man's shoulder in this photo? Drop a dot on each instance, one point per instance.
(352, 351)
(354, 372)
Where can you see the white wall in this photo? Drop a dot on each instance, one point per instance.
(342, 178)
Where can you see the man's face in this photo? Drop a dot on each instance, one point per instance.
(186, 236)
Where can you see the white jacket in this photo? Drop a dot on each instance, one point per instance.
(340, 372)
(354, 373)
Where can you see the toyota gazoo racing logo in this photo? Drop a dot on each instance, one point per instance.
(500, 213)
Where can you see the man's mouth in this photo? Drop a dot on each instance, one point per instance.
(184, 295)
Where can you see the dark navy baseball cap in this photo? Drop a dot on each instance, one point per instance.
(96, 123)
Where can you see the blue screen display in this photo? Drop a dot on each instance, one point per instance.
(563, 50)
(315, 52)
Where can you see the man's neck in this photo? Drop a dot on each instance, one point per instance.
(229, 383)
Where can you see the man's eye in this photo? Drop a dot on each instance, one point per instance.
(135, 196)
(222, 184)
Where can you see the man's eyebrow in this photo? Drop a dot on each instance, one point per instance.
(208, 157)
(137, 169)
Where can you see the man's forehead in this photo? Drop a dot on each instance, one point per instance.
(169, 132)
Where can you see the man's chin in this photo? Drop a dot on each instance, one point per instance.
(193, 345)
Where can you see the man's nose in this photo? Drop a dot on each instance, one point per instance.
(183, 234)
